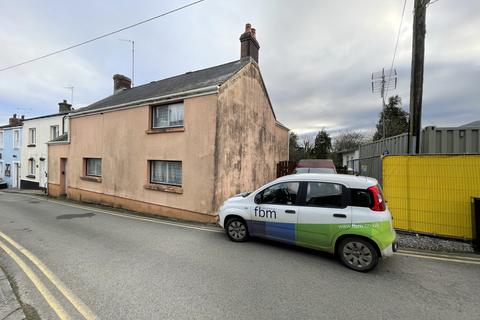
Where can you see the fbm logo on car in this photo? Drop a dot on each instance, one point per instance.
(267, 213)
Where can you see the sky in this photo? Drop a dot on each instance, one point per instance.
(316, 57)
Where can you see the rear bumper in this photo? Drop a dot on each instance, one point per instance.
(389, 250)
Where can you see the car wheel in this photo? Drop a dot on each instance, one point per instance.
(237, 230)
(358, 254)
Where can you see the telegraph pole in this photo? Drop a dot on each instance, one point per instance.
(416, 80)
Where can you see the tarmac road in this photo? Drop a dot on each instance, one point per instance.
(100, 263)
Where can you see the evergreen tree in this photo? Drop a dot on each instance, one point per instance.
(396, 119)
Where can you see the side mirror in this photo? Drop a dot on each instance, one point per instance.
(258, 198)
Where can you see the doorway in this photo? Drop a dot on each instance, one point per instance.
(63, 176)
(15, 174)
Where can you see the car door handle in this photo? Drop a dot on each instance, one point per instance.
(290, 211)
(339, 215)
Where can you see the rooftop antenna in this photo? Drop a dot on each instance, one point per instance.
(71, 93)
(132, 42)
(382, 82)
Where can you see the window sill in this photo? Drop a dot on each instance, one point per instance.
(164, 187)
(93, 179)
(31, 145)
(165, 130)
(30, 176)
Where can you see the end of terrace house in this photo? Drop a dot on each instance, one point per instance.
(176, 147)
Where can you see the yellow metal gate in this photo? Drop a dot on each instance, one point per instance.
(432, 193)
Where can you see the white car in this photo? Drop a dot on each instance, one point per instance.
(341, 214)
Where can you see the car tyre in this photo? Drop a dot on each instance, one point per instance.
(237, 229)
(358, 254)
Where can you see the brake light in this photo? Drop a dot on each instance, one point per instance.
(378, 202)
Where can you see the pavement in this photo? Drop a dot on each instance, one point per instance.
(10, 308)
(82, 262)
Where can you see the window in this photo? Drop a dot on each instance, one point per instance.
(54, 130)
(16, 139)
(1, 170)
(361, 198)
(282, 193)
(166, 172)
(32, 135)
(1, 139)
(320, 194)
(31, 166)
(167, 116)
(93, 167)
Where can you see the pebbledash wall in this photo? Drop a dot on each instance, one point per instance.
(35, 153)
(230, 143)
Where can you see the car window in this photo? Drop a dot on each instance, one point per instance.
(322, 194)
(301, 170)
(360, 198)
(282, 193)
(321, 170)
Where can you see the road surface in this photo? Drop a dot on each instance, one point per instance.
(91, 262)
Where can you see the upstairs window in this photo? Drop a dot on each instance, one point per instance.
(167, 116)
(16, 139)
(93, 167)
(166, 172)
(54, 132)
(32, 136)
(1, 139)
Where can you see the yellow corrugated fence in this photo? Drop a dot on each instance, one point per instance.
(432, 193)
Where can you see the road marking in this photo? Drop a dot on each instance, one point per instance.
(74, 300)
(433, 254)
(128, 216)
(47, 295)
(436, 258)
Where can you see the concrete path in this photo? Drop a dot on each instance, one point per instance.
(10, 308)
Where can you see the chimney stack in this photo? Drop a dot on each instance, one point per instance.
(64, 107)
(14, 121)
(248, 43)
(120, 83)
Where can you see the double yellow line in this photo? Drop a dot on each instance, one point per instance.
(44, 291)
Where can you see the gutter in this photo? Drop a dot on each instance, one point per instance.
(137, 103)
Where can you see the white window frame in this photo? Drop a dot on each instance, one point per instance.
(168, 166)
(32, 135)
(16, 144)
(2, 169)
(52, 130)
(31, 167)
(97, 170)
(2, 139)
(170, 108)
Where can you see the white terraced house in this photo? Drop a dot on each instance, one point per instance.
(37, 132)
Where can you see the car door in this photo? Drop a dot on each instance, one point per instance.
(274, 214)
(323, 213)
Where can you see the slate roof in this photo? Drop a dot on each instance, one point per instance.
(60, 138)
(472, 124)
(181, 83)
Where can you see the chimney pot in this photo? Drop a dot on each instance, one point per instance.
(120, 83)
(64, 107)
(14, 121)
(248, 43)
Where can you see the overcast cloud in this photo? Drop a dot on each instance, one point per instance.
(316, 57)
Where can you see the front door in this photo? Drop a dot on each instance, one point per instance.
(274, 214)
(43, 175)
(15, 174)
(323, 214)
(63, 176)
